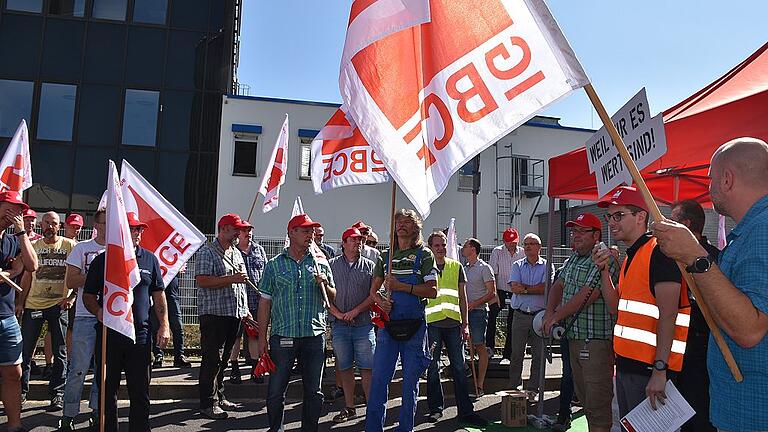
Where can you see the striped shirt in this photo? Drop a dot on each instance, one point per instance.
(501, 262)
(594, 322)
(297, 302)
(228, 301)
(403, 261)
(353, 284)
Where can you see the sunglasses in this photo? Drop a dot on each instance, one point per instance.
(371, 243)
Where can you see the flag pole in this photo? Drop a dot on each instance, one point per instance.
(102, 376)
(253, 205)
(657, 216)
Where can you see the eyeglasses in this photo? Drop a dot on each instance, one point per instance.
(371, 243)
(617, 216)
(582, 230)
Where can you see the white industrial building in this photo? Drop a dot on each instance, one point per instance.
(512, 185)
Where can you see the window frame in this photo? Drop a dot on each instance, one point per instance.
(305, 143)
(123, 118)
(244, 137)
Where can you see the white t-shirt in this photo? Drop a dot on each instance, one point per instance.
(82, 256)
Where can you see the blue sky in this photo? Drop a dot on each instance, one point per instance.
(292, 48)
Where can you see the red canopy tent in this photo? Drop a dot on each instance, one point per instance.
(735, 105)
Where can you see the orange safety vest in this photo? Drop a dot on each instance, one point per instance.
(634, 335)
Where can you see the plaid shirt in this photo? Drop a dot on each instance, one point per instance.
(297, 302)
(228, 301)
(255, 259)
(594, 322)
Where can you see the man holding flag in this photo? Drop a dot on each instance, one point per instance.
(113, 276)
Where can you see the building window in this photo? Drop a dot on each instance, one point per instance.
(110, 9)
(15, 105)
(25, 5)
(245, 156)
(57, 112)
(140, 117)
(469, 174)
(305, 158)
(71, 8)
(150, 11)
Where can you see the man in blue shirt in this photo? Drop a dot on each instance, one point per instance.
(122, 353)
(735, 289)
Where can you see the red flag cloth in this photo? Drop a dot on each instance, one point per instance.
(264, 366)
(251, 328)
(15, 167)
(274, 175)
(379, 316)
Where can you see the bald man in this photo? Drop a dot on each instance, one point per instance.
(736, 289)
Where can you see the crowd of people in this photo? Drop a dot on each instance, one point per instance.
(629, 324)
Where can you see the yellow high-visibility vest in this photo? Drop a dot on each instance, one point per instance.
(446, 304)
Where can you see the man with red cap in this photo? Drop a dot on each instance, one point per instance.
(650, 303)
(222, 302)
(123, 355)
(354, 340)
(72, 226)
(16, 256)
(30, 219)
(502, 259)
(292, 300)
(368, 251)
(575, 301)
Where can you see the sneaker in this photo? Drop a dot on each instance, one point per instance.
(57, 403)
(214, 413)
(504, 362)
(182, 362)
(474, 420)
(227, 405)
(344, 415)
(158, 363)
(66, 424)
(93, 422)
(434, 417)
(479, 394)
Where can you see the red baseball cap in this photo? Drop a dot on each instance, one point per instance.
(29, 213)
(511, 235)
(625, 195)
(351, 232)
(75, 219)
(133, 220)
(586, 220)
(360, 225)
(13, 197)
(301, 221)
(246, 224)
(231, 219)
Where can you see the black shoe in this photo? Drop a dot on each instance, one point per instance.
(158, 363)
(474, 420)
(434, 417)
(563, 422)
(234, 376)
(182, 362)
(57, 403)
(66, 424)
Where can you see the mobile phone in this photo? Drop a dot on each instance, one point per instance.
(602, 246)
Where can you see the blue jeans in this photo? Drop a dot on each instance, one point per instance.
(353, 345)
(284, 352)
(81, 352)
(10, 342)
(30, 332)
(451, 337)
(415, 359)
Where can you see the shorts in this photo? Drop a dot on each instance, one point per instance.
(593, 379)
(353, 345)
(10, 342)
(478, 323)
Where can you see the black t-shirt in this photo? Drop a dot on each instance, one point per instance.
(9, 249)
(662, 269)
(698, 327)
(151, 281)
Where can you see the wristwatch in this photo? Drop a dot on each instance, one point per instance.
(700, 265)
(525, 290)
(20, 233)
(660, 365)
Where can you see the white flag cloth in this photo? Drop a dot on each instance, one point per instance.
(170, 236)
(16, 167)
(452, 250)
(430, 97)
(342, 157)
(298, 209)
(121, 272)
(274, 175)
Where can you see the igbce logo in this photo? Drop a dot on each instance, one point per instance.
(469, 68)
(349, 155)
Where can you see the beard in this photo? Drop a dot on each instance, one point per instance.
(49, 233)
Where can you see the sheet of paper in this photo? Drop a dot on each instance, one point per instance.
(666, 418)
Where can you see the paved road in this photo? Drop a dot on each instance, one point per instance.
(175, 415)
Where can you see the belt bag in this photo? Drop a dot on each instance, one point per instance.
(402, 330)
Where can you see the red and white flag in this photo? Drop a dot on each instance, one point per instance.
(274, 175)
(170, 236)
(16, 167)
(342, 157)
(121, 272)
(298, 208)
(430, 97)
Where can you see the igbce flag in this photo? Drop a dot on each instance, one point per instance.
(432, 96)
(342, 157)
(121, 272)
(169, 235)
(15, 167)
(274, 175)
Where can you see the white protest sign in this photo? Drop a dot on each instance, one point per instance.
(628, 119)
